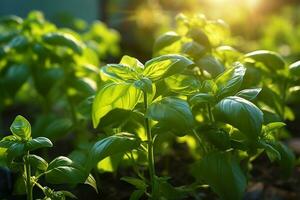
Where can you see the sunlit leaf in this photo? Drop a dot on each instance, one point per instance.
(164, 66)
(119, 143)
(39, 142)
(21, 128)
(64, 170)
(241, 114)
(112, 96)
(270, 59)
(173, 113)
(249, 94)
(230, 81)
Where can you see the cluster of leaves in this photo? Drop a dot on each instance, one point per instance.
(57, 67)
(17, 155)
(231, 103)
(194, 88)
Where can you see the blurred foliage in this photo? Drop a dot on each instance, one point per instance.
(52, 69)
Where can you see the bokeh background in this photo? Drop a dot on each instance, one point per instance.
(268, 24)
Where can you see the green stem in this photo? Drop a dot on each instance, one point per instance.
(149, 146)
(200, 141)
(210, 115)
(283, 92)
(28, 177)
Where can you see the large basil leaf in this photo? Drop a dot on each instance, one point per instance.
(114, 95)
(221, 171)
(9, 140)
(132, 62)
(164, 41)
(63, 39)
(173, 113)
(119, 143)
(193, 49)
(129, 69)
(230, 81)
(39, 142)
(15, 150)
(212, 65)
(120, 72)
(183, 84)
(166, 65)
(21, 128)
(241, 114)
(64, 170)
(15, 77)
(270, 59)
(38, 162)
(249, 94)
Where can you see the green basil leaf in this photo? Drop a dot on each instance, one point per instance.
(129, 69)
(294, 68)
(120, 72)
(173, 113)
(273, 126)
(270, 59)
(21, 128)
(37, 162)
(221, 171)
(15, 150)
(199, 36)
(212, 65)
(202, 98)
(114, 95)
(230, 81)
(272, 153)
(92, 182)
(241, 114)
(37, 143)
(132, 62)
(7, 141)
(15, 77)
(193, 49)
(216, 31)
(182, 84)
(64, 170)
(63, 39)
(119, 143)
(165, 66)
(164, 41)
(11, 20)
(248, 94)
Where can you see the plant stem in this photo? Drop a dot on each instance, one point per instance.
(284, 93)
(200, 141)
(210, 115)
(28, 177)
(149, 146)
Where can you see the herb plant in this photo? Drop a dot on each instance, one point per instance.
(18, 148)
